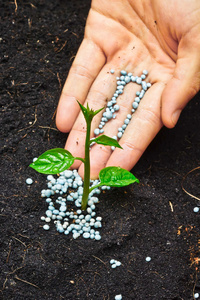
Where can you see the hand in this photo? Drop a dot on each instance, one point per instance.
(162, 37)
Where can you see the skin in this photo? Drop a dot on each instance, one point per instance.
(162, 37)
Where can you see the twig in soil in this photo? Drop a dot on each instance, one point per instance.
(11, 196)
(19, 241)
(20, 83)
(23, 137)
(194, 286)
(60, 85)
(9, 251)
(47, 127)
(75, 34)
(95, 274)
(31, 124)
(63, 46)
(16, 6)
(72, 57)
(87, 288)
(168, 170)
(9, 95)
(157, 274)
(50, 127)
(24, 235)
(16, 277)
(184, 177)
(32, 5)
(171, 206)
(4, 284)
(196, 261)
(29, 23)
(54, 114)
(100, 260)
(22, 266)
(131, 272)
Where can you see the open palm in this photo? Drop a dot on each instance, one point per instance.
(162, 37)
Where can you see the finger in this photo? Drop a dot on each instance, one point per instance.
(100, 154)
(144, 125)
(102, 89)
(184, 84)
(86, 66)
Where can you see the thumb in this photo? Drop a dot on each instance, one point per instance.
(184, 84)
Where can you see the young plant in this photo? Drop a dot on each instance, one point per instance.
(57, 160)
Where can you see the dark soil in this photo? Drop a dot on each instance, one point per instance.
(39, 40)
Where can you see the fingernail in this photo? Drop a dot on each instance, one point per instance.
(175, 116)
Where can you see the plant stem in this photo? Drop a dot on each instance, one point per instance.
(80, 158)
(94, 187)
(86, 166)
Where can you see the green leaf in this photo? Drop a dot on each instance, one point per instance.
(53, 161)
(116, 177)
(87, 112)
(97, 111)
(84, 110)
(107, 141)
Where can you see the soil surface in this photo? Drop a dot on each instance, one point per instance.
(39, 40)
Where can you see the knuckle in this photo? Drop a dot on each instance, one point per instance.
(81, 71)
(127, 146)
(149, 115)
(101, 149)
(193, 89)
(97, 97)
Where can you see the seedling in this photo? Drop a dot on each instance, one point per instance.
(57, 160)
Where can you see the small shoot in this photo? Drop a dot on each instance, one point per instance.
(57, 160)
